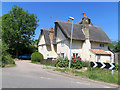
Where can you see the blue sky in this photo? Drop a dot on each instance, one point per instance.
(103, 14)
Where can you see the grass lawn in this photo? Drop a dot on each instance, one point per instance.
(96, 74)
(9, 65)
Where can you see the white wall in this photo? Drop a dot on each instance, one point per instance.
(42, 40)
(42, 48)
(85, 50)
(103, 58)
(96, 45)
(76, 45)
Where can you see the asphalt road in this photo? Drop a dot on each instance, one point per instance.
(28, 75)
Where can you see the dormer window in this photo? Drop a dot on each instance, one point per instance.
(101, 45)
(62, 43)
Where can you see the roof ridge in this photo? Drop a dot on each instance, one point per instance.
(45, 29)
(66, 22)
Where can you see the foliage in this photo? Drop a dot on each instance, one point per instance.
(117, 67)
(36, 57)
(76, 63)
(117, 47)
(62, 62)
(18, 27)
(6, 57)
(114, 46)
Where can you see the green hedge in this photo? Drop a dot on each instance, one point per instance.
(36, 57)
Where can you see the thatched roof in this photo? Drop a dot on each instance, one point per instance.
(46, 33)
(96, 33)
(66, 29)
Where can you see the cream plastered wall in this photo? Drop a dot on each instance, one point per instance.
(96, 45)
(103, 58)
(62, 48)
(42, 48)
(47, 53)
(42, 40)
(93, 57)
(85, 50)
(76, 45)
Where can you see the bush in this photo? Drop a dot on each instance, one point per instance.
(62, 62)
(85, 63)
(6, 57)
(36, 57)
(76, 63)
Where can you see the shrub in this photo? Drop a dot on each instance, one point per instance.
(36, 57)
(7, 59)
(117, 66)
(76, 63)
(85, 63)
(62, 62)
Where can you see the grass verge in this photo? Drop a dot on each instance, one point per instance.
(9, 65)
(97, 74)
(43, 64)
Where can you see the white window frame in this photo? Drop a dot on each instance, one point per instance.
(76, 54)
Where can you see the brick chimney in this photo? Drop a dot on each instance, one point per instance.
(68, 20)
(85, 26)
(51, 34)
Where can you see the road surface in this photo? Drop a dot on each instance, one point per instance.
(29, 75)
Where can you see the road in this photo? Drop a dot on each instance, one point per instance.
(29, 75)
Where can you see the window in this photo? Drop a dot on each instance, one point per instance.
(62, 55)
(98, 58)
(101, 45)
(42, 47)
(75, 54)
(58, 55)
(62, 43)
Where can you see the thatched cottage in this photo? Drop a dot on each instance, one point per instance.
(89, 42)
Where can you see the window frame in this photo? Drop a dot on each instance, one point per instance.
(101, 45)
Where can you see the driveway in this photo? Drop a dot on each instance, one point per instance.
(29, 75)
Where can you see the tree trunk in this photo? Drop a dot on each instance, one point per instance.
(17, 54)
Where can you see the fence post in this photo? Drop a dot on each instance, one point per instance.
(112, 72)
(91, 69)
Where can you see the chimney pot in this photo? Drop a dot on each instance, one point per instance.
(51, 28)
(84, 14)
(68, 20)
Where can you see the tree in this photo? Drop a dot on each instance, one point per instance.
(117, 47)
(111, 46)
(114, 46)
(18, 27)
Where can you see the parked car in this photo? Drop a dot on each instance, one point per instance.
(25, 56)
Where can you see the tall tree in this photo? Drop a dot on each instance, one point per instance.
(18, 28)
(117, 47)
